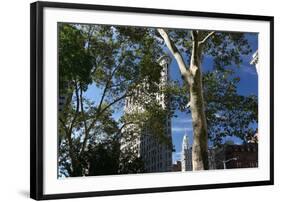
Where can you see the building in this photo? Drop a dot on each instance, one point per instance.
(176, 166)
(156, 156)
(255, 61)
(186, 156)
(237, 156)
(225, 157)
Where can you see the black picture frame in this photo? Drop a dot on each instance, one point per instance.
(36, 98)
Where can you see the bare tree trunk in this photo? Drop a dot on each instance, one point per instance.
(200, 137)
(193, 76)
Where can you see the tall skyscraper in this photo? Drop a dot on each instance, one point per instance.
(186, 154)
(156, 156)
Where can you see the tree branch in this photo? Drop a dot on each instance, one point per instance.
(123, 126)
(174, 50)
(77, 108)
(206, 37)
(104, 109)
(188, 105)
(84, 121)
(107, 86)
(90, 33)
(98, 110)
(112, 103)
(192, 35)
(63, 125)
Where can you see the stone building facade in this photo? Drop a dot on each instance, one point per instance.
(156, 156)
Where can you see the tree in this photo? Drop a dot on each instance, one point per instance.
(227, 112)
(116, 61)
(130, 162)
(72, 55)
(225, 48)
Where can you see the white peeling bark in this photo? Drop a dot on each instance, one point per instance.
(200, 135)
(193, 76)
(173, 49)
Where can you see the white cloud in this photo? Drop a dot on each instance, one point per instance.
(181, 129)
(182, 121)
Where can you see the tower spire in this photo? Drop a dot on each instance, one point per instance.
(186, 155)
(185, 140)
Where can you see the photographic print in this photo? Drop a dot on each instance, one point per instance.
(137, 100)
(144, 100)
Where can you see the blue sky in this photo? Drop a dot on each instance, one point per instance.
(248, 85)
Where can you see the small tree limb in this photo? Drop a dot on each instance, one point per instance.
(188, 105)
(99, 113)
(206, 37)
